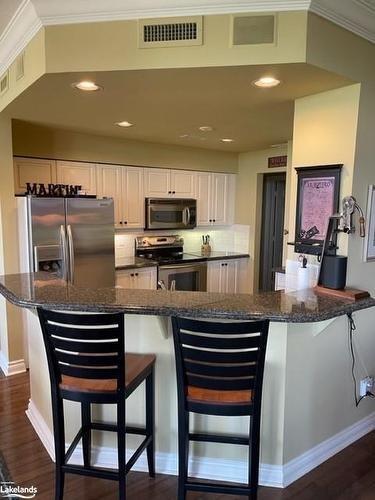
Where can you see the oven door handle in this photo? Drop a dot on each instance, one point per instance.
(182, 266)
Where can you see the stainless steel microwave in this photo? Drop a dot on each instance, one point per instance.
(171, 213)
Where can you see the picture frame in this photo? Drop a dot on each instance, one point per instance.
(318, 197)
(369, 243)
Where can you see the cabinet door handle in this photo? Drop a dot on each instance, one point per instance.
(126, 222)
(169, 192)
(213, 220)
(120, 221)
(132, 275)
(173, 192)
(210, 220)
(136, 274)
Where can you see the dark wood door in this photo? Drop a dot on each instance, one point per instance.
(272, 233)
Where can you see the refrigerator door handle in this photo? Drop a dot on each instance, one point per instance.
(71, 253)
(64, 252)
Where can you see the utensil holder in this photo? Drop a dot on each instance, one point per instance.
(206, 249)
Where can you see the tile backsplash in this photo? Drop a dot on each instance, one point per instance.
(231, 239)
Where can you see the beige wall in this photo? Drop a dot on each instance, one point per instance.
(32, 140)
(11, 340)
(251, 168)
(325, 129)
(114, 46)
(34, 68)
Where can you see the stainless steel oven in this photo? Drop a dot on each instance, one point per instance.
(186, 277)
(168, 213)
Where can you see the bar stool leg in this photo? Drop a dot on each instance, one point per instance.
(183, 451)
(59, 434)
(150, 422)
(86, 436)
(254, 457)
(121, 448)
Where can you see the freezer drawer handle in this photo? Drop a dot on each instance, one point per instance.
(71, 253)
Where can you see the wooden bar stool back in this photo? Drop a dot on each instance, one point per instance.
(87, 364)
(219, 372)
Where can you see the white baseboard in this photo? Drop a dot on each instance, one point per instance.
(11, 367)
(41, 428)
(279, 476)
(307, 461)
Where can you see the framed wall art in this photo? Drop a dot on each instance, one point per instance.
(369, 245)
(318, 196)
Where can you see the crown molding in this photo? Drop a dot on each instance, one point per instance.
(220, 7)
(357, 16)
(23, 26)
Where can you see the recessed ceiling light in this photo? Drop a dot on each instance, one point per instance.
(87, 86)
(227, 140)
(266, 82)
(124, 124)
(206, 128)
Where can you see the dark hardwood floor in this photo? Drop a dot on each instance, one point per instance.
(347, 476)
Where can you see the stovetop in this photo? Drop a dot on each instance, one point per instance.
(177, 258)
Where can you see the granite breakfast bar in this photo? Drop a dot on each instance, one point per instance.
(307, 358)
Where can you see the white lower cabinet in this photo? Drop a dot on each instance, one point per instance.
(136, 278)
(222, 276)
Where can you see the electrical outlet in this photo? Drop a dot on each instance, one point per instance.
(366, 385)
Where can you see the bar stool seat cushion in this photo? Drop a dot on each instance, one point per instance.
(135, 366)
(199, 395)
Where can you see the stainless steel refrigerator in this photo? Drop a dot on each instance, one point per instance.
(73, 237)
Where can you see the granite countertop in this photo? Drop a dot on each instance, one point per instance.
(221, 255)
(134, 262)
(45, 290)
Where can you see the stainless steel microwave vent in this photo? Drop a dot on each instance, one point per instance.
(170, 32)
(253, 30)
(4, 83)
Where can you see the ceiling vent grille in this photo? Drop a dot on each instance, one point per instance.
(170, 32)
(4, 83)
(20, 66)
(254, 29)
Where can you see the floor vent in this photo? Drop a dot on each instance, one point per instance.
(170, 32)
(20, 66)
(4, 83)
(254, 30)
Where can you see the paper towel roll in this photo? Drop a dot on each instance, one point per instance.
(303, 276)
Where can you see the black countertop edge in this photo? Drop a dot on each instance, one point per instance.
(138, 265)
(142, 262)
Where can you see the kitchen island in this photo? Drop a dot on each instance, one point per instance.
(308, 410)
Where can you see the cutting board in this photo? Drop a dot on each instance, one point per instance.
(352, 294)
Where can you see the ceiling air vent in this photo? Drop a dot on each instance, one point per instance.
(20, 66)
(170, 32)
(254, 30)
(4, 83)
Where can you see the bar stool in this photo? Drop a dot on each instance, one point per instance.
(219, 372)
(87, 364)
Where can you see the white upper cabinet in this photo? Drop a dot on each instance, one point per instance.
(215, 198)
(109, 185)
(157, 183)
(33, 170)
(125, 186)
(165, 183)
(133, 197)
(77, 173)
(182, 183)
